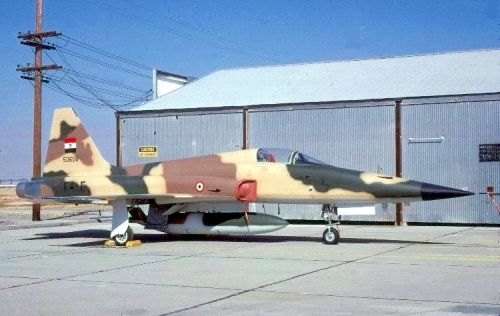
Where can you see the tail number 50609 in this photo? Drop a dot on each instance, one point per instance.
(70, 159)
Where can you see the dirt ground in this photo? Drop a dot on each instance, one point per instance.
(14, 210)
(9, 200)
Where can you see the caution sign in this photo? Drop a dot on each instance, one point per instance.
(148, 151)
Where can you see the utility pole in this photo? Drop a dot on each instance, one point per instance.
(36, 40)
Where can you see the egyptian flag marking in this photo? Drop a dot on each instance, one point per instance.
(70, 145)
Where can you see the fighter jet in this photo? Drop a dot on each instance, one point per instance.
(207, 194)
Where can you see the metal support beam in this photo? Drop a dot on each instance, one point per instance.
(118, 141)
(245, 129)
(399, 162)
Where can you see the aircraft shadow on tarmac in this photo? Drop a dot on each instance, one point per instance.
(155, 238)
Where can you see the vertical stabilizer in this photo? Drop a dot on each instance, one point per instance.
(71, 150)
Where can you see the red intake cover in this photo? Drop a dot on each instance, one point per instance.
(246, 191)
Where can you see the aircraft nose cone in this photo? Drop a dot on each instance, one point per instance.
(437, 192)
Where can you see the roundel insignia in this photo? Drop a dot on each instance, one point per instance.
(199, 186)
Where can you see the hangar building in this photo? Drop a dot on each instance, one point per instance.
(343, 113)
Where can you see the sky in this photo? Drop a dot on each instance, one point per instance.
(108, 49)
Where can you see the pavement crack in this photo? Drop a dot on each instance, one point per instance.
(385, 298)
(67, 278)
(307, 274)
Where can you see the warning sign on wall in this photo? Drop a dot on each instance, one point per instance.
(489, 152)
(148, 151)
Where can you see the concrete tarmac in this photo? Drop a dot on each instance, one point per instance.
(375, 270)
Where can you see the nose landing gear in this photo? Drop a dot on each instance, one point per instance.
(331, 235)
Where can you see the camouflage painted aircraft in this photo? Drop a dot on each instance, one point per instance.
(207, 194)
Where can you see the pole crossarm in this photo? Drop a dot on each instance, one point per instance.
(37, 44)
(39, 68)
(33, 79)
(29, 36)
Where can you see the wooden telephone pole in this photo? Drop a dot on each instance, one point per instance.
(36, 40)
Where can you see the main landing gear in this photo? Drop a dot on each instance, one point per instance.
(121, 232)
(331, 235)
(121, 239)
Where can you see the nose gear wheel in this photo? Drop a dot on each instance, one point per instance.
(331, 236)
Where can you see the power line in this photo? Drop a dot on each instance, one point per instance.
(99, 96)
(96, 61)
(67, 80)
(74, 82)
(107, 82)
(84, 85)
(93, 78)
(89, 101)
(202, 31)
(102, 52)
(54, 86)
(177, 33)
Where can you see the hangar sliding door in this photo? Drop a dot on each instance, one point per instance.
(360, 138)
(441, 145)
(179, 135)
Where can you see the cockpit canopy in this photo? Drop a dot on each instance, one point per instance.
(285, 156)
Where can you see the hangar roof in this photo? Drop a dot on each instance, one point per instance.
(444, 74)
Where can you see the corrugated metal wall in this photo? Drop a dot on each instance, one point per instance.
(360, 138)
(180, 136)
(454, 161)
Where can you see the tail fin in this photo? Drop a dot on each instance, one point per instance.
(71, 150)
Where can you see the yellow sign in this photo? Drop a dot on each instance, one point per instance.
(148, 151)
